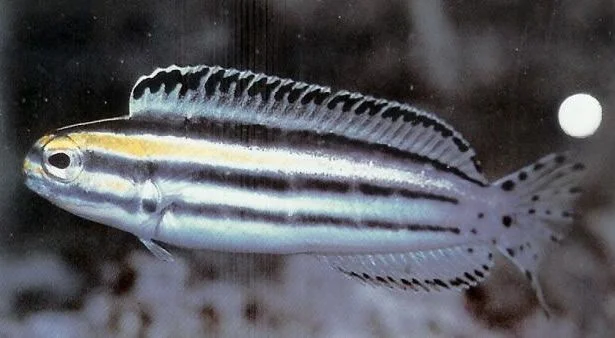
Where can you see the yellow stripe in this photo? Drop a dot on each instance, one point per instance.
(147, 147)
(169, 147)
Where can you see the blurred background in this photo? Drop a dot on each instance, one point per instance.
(495, 70)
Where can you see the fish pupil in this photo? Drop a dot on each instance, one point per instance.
(59, 160)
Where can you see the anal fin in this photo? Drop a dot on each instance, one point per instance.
(457, 267)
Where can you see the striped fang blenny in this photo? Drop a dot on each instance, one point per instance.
(220, 159)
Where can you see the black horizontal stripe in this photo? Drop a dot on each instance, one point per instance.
(263, 136)
(180, 208)
(231, 178)
(222, 212)
(192, 173)
(298, 219)
(370, 189)
(418, 194)
(316, 184)
(127, 203)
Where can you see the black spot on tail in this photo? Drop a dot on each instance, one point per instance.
(559, 159)
(508, 185)
(506, 221)
(578, 167)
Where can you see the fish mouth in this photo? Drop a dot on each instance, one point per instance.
(33, 175)
(34, 183)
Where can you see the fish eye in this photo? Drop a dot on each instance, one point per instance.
(59, 160)
(62, 159)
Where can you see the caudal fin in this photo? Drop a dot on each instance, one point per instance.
(543, 195)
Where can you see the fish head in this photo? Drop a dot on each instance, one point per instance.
(67, 171)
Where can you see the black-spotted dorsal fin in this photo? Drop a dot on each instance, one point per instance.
(457, 267)
(214, 93)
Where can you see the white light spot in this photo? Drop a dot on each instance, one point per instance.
(580, 115)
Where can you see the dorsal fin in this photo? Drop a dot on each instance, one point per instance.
(177, 94)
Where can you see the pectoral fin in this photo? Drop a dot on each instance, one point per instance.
(158, 251)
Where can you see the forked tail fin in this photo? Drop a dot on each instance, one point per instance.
(543, 195)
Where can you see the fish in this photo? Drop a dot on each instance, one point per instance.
(228, 160)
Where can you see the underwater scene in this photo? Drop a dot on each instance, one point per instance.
(307, 168)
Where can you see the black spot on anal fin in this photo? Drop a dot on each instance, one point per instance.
(419, 284)
(469, 277)
(381, 279)
(528, 275)
(355, 275)
(439, 282)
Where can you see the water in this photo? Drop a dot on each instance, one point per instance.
(497, 72)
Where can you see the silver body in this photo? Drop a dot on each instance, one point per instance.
(214, 158)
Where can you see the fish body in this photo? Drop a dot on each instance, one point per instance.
(214, 158)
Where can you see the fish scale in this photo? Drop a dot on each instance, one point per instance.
(220, 159)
